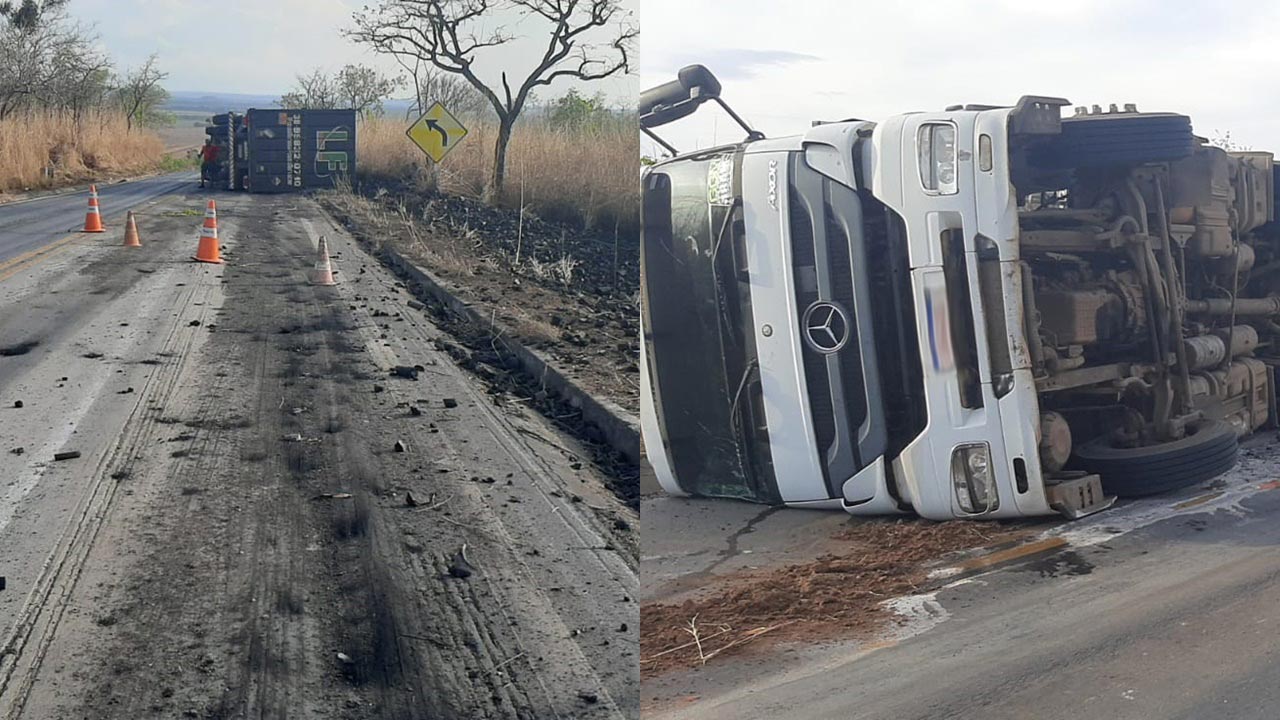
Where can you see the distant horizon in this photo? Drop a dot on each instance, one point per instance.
(219, 93)
(187, 96)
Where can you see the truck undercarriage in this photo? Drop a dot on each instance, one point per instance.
(1149, 264)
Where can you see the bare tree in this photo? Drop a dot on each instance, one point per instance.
(364, 88)
(140, 93)
(449, 34)
(47, 61)
(316, 90)
(358, 87)
(431, 85)
(78, 81)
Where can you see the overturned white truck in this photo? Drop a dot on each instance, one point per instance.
(979, 312)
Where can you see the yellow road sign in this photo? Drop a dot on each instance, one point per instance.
(436, 132)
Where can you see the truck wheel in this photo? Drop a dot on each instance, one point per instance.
(1121, 139)
(1208, 450)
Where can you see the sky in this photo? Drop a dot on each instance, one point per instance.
(260, 46)
(783, 65)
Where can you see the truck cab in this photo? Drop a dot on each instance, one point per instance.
(981, 312)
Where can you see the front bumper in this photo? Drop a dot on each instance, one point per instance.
(1009, 423)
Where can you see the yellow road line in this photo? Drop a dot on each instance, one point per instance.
(1198, 500)
(31, 257)
(1010, 554)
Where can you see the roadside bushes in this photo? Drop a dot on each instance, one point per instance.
(48, 148)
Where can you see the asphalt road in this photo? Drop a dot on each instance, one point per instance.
(1158, 610)
(26, 225)
(234, 536)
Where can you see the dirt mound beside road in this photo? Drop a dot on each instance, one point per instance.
(836, 596)
(571, 295)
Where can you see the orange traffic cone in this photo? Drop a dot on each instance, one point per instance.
(131, 232)
(93, 219)
(323, 273)
(208, 248)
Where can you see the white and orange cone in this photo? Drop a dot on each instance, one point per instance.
(131, 232)
(208, 251)
(93, 218)
(323, 273)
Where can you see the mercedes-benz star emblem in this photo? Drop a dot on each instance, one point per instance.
(826, 327)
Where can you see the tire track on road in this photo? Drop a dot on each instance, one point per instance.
(43, 610)
(245, 590)
(554, 501)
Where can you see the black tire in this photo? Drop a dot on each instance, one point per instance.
(1210, 450)
(1122, 139)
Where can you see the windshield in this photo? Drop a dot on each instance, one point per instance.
(701, 343)
(697, 314)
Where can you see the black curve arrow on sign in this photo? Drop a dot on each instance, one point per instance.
(444, 136)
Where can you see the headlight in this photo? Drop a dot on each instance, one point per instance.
(972, 478)
(936, 153)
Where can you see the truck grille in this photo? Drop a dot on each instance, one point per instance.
(817, 378)
(842, 291)
(823, 270)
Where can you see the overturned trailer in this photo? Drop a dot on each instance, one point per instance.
(283, 150)
(979, 312)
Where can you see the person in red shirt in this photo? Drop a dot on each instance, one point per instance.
(208, 162)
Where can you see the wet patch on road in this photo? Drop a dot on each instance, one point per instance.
(1065, 563)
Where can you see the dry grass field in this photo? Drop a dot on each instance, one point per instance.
(49, 149)
(587, 176)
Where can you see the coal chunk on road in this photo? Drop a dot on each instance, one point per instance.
(21, 348)
(408, 372)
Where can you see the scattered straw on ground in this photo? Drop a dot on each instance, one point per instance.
(838, 595)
